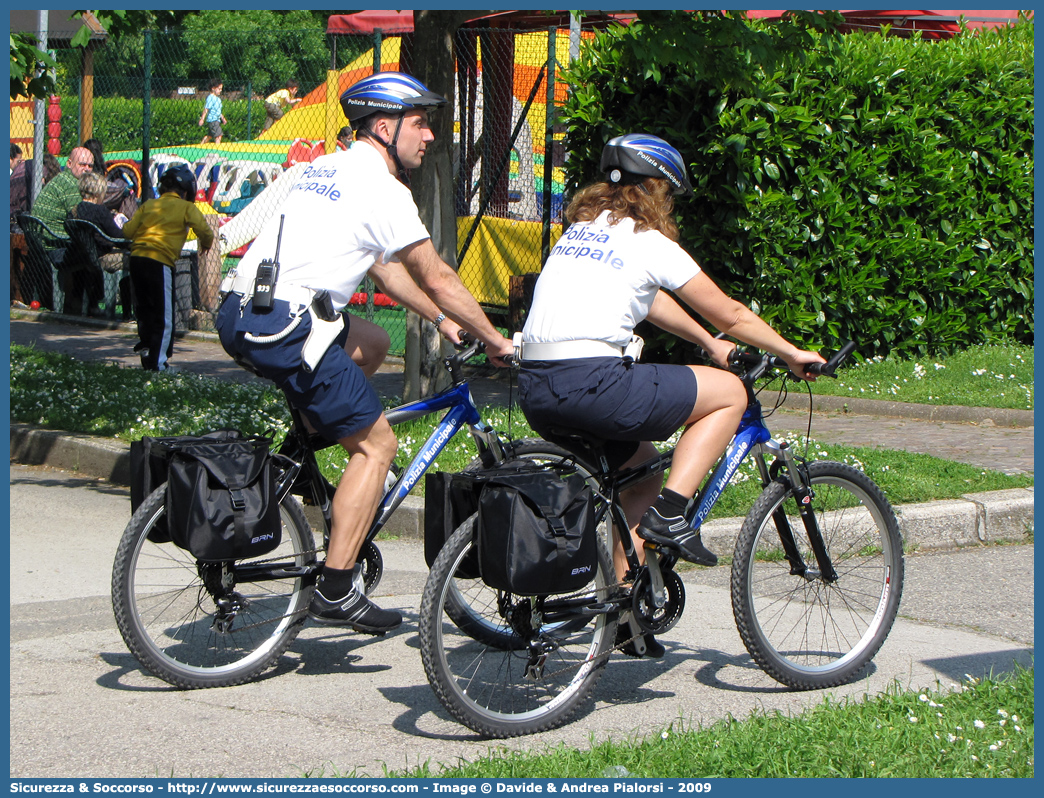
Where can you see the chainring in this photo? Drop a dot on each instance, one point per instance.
(652, 619)
(372, 565)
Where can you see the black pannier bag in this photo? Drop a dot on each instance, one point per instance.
(220, 502)
(536, 530)
(149, 461)
(449, 500)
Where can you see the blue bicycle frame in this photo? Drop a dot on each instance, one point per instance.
(462, 411)
(751, 432)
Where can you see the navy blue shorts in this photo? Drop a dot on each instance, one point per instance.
(336, 398)
(605, 397)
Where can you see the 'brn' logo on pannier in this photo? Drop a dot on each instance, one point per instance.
(259, 538)
(584, 569)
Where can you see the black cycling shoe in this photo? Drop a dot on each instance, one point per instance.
(653, 648)
(675, 534)
(354, 610)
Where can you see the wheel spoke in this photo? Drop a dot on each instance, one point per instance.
(168, 611)
(804, 632)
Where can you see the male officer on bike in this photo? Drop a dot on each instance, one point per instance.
(346, 216)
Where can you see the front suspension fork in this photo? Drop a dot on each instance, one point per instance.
(801, 490)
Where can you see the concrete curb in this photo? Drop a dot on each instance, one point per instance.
(986, 416)
(974, 519)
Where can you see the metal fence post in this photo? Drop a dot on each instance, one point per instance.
(146, 112)
(378, 60)
(549, 143)
(250, 107)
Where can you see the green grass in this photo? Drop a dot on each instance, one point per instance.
(976, 729)
(58, 392)
(996, 375)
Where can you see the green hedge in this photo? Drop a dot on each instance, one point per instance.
(118, 122)
(881, 192)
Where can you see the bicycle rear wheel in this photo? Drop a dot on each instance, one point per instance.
(470, 603)
(533, 676)
(803, 630)
(198, 624)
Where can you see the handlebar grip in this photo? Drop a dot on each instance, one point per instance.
(827, 369)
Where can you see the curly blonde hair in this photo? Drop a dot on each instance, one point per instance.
(650, 203)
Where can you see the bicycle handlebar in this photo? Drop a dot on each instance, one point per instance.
(827, 369)
(757, 363)
(468, 348)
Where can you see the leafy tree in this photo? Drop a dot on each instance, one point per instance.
(260, 46)
(635, 65)
(26, 59)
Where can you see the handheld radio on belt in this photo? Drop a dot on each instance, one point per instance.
(267, 274)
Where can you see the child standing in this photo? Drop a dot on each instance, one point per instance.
(158, 231)
(212, 113)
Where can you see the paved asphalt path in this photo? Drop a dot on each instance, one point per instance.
(80, 706)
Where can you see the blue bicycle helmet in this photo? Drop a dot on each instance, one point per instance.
(179, 178)
(387, 92)
(643, 155)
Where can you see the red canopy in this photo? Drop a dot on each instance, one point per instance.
(402, 21)
(369, 21)
(933, 23)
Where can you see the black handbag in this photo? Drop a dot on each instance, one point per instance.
(536, 530)
(220, 495)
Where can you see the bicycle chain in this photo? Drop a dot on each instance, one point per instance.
(615, 647)
(269, 621)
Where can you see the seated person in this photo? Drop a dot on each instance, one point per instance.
(62, 193)
(119, 194)
(93, 188)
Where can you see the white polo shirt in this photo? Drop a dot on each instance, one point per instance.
(344, 211)
(600, 280)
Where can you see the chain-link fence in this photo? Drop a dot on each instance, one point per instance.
(143, 98)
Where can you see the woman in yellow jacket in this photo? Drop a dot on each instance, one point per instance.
(158, 231)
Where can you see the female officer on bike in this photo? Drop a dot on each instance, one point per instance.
(348, 215)
(602, 278)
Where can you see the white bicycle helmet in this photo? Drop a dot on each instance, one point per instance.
(388, 93)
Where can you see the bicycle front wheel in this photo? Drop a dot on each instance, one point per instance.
(534, 676)
(196, 624)
(803, 630)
